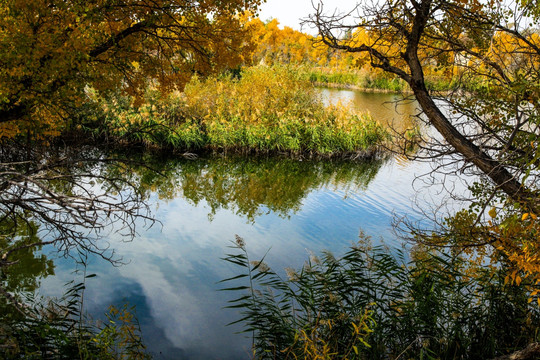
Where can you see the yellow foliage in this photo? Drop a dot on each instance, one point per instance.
(320, 343)
(517, 241)
(507, 240)
(49, 53)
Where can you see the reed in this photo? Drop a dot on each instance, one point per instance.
(372, 80)
(266, 110)
(376, 303)
(40, 328)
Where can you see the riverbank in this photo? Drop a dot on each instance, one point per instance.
(372, 81)
(358, 88)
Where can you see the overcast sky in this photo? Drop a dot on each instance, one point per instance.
(288, 12)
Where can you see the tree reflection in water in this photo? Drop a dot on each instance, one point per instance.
(56, 197)
(247, 186)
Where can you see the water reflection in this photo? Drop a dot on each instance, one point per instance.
(290, 207)
(26, 267)
(248, 187)
(22, 270)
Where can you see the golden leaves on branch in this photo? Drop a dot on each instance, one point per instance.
(514, 240)
(50, 53)
(503, 240)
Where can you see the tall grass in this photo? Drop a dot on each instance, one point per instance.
(333, 77)
(59, 329)
(265, 110)
(376, 304)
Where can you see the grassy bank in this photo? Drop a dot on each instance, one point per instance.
(264, 110)
(369, 80)
(353, 79)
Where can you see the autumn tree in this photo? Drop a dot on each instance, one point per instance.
(51, 54)
(276, 45)
(494, 125)
(51, 51)
(489, 127)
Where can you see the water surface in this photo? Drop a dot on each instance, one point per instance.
(389, 109)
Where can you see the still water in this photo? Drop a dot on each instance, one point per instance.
(288, 208)
(388, 109)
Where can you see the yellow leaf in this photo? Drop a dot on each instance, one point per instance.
(533, 216)
(525, 216)
(492, 212)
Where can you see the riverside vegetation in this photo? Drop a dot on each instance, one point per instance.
(381, 303)
(445, 302)
(323, 65)
(261, 110)
(257, 110)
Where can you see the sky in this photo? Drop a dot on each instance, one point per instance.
(288, 12)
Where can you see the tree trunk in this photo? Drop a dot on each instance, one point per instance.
(496, 171)
(472, 153)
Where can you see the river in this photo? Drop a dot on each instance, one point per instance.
(285, 208)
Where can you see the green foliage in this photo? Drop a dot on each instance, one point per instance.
(426, 307)
(374, 81)
(333, 77)
(266, 110)
(120, 337)
(371, 80)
